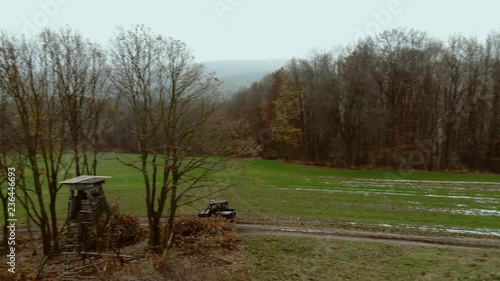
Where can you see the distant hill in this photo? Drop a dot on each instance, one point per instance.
(237, 74)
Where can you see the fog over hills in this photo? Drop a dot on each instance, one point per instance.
(237, 74)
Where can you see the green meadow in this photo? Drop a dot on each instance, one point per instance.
(406, 200)
(279, 193)
(301, 258)
(265, 191)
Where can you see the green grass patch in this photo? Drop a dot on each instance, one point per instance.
(292, 169)
(422, 200)
(301, 258)
(263, 189)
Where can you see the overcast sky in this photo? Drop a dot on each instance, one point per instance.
(255, 29)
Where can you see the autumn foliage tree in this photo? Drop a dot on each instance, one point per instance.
(286, 126)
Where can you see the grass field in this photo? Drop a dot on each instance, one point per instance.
(299, 258)
(389, 201)
(278, 193)
(422, 202)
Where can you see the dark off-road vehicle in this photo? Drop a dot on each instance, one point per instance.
(218, 208)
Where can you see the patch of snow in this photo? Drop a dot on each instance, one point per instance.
(427, 181)
(384, 225)
(467, 212)
(396, 193)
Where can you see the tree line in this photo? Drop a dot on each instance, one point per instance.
(401, 99)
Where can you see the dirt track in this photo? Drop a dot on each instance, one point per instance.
(351, 235)
(362, 236)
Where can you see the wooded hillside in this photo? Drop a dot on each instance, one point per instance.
(401, 100)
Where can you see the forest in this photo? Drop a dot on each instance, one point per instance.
(400, 100)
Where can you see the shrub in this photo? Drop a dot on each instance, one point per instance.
(119, 230)
(199, 234)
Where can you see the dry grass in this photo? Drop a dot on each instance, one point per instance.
(204, 249)
(199, 235)
(179, 266)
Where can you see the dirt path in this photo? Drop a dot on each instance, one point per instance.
(362, 236)
(351, 235)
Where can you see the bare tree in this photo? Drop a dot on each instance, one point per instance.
(54, 86)
(6, 142)
(36, 129)
(79, 75)
(352, 99)
(493, 98)
(170, 99)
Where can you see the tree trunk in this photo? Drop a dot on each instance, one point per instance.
(169, 228)
(155, 233)
(46, 239)
(55, 230)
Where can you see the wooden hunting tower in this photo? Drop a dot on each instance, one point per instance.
(86, 199)
(86, 205)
